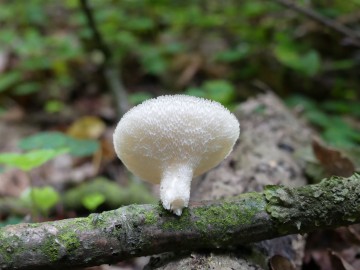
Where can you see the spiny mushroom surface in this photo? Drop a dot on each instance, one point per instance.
(171, 139)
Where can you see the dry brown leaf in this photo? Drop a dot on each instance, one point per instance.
(333, 161)
(354, 231)
(279, 262)
(88, 127)
(338, 263)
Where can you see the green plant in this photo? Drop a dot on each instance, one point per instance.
(327, 116)
(93, 200)
(219, 90)
(30, 160)
(58, 140)
(43, 199)
(307, 63)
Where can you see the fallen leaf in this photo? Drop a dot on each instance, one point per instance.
(338, 263)
(88, 127)
(333, 161)
(279, 262)
(354, 231)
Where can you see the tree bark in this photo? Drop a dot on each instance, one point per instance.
(139, 230)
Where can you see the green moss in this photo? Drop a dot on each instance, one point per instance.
(176, 223)
(229, 213)
(51, 249)
(218, 217)
(10, 246)
(33, 225)
(6, 249)
(79, 223)
(97, 219)
(150, 218)
(69, 240)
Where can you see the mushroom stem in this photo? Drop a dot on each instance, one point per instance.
(175, 188)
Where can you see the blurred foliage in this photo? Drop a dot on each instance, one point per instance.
(218, 50)
(43, 199)
(327, 116)
(30, 160)
(114, 195)
(93, 200)
(219, 90)
(47, 44)
(58, 140)
(139, 97)
(10, 221)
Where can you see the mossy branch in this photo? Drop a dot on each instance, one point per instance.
(139, 230)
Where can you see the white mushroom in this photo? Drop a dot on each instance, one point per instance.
(171, 139)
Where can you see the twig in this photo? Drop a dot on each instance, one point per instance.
(331, 24)
(111, 73)
(139, 230)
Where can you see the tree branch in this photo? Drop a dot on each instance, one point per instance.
(111, 73)
(139, 230)
(331, 24)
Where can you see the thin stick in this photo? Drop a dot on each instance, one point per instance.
(331, 24)
(111, 73)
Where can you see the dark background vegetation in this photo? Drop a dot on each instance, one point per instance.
(60, 79)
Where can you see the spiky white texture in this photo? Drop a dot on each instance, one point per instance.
(174, 138)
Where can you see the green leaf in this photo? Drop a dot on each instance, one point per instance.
(45, 198)
(196, 92)
(30, 160)
(58, 140)
(140, 23)
(309, 63)
(220, 90)
(126, 38)
(54, 106)
(303, 101)
(27, 88)
(234, 55)
(253, 8)
(318, 118)
(93, 200)
(153, 60)
(341, 65)
(82, 148)
(338, 138)
(286, 55)
(9, 79)
(139, 97)
(340, 106)
(11, 221)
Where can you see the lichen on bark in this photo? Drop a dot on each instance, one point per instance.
(313, 203)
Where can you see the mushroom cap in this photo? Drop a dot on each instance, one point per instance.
(172, 131)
